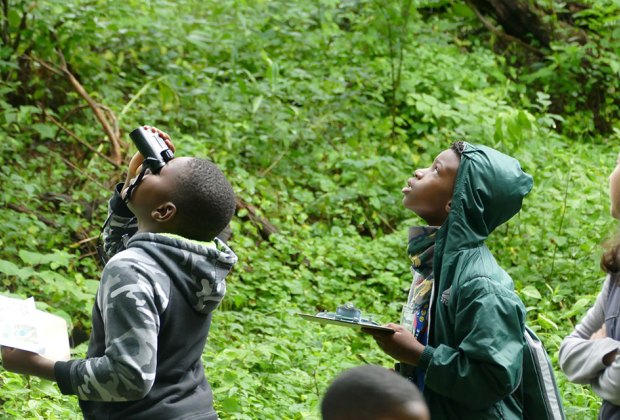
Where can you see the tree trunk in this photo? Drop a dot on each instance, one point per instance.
(518, 19)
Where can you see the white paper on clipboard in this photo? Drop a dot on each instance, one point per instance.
(343, 323)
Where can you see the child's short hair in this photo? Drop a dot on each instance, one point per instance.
(458, 147)
(205, 201)
(371, 392)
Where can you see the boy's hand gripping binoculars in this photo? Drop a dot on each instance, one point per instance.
(152, 147)
(156, 154)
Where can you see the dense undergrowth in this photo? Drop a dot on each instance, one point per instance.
(317, 111)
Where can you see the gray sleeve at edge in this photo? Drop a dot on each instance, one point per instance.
(581, 359)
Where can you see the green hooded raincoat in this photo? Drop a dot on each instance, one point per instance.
(473, 362)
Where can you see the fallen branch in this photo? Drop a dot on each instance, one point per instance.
(265, 228)
(84, 241)
(23, 209)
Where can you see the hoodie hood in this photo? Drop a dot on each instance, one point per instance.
(488, 190)
(197, 269)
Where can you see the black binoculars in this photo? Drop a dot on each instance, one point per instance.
(152, 147)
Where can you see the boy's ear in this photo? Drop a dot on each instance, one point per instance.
(449, 206)
(165, 212)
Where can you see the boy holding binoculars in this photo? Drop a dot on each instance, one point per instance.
(153, 308)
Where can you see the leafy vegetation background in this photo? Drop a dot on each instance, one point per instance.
(317, 111)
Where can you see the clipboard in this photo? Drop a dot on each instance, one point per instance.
(343, 323)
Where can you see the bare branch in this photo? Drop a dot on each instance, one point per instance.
(45, 65)
(108, 111)
(22, 209)
(265, 228)
(79, 140)
(80, 171)
(69, 114)
(111, 129)
(83, 241)
(116, 150)
(502, 34)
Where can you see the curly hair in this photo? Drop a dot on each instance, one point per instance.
(610, 261)
(458, 147)
(205, 200)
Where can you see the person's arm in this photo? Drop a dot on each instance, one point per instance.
(581, 358)
(122, 223)
(27, 363)
(130, 318)
(489, 327)
(401, 345)
(607, 384)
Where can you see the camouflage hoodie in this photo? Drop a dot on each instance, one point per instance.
(150, 324)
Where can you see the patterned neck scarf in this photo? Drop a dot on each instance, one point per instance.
(421, 249)
(415, 313)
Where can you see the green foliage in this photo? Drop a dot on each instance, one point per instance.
(318, 112)
(580, 74)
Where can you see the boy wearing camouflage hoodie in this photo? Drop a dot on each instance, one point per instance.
(157, 294)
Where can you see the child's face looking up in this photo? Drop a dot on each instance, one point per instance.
(614, 190)
(150, 200)
(429, 192)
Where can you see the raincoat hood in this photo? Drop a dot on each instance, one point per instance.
(477, 320)
(488, 190)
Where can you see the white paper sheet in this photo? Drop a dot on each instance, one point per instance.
(25, 327)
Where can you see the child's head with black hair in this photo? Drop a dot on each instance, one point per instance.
(189, 197)
(373, 392)
(205, 200)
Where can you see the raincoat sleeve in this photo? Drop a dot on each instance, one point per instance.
(487, 364)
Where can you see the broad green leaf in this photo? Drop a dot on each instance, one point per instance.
(531, 292)
(46, 131)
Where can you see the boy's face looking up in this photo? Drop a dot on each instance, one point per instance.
(429, 192)
(150, 200)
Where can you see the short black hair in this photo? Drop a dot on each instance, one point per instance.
(205, 200)
(458, 147)
(368, 392)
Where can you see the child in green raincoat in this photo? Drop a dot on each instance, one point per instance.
(461, 337)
